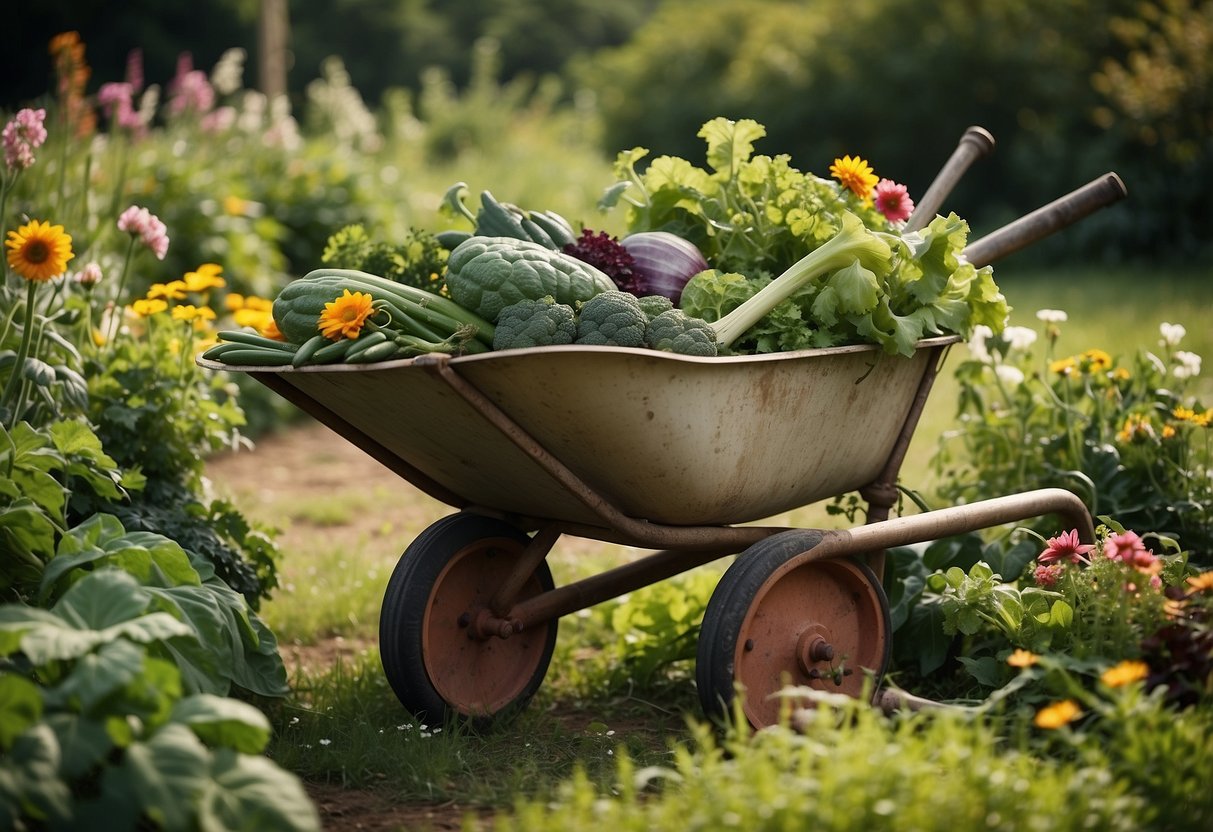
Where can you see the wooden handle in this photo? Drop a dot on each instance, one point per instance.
(1046, 220)
(975, 143)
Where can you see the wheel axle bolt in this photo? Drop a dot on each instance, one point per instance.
(821, 650)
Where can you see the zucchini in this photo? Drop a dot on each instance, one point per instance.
(252, 339)
(383, 351)
(257, 357)
(310, 347)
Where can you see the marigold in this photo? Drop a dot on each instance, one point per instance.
(856, 175)
(1125, 673)
(1058, 714)
(39, 251)
(189, 312)
(1022, 658)
(345, 316)
(206, 277)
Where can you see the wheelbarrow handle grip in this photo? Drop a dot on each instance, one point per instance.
(975, 143)
(1048, 219)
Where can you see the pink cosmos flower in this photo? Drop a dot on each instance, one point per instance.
(1128, 548)
(147, 226)
(1065, 547)
(892, 200)
(22, 136)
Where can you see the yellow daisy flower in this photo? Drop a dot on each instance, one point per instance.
(1063, 366)
(39, 251)
(1202, 582)
(1125, 673)
(204, 278)
(1096, 360)
(269, 328)
(262, 304)
(254, 318)
(146, 307)
(1058, 714)
(233, 302)
(189, 312)
(173, 290)
(856, 175)
(345, 316)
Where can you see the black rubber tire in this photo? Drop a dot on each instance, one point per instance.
(715, 671)
(402, 619)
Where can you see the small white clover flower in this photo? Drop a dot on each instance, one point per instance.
(1009, 375)
(1172, 334)
(1188, 364)
(1051, 316)
(326, 742)
(1019, 337)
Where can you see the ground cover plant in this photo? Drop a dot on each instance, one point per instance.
(214, 664)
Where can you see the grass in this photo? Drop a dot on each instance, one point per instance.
(342, 725)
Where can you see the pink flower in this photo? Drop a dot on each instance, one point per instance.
(117, 101)
(1047, 576)
(134, 70)
(190, 90)
(893, 200)
(89, 276)
(1065, 547)
(147, 226)
(1128, 548)
(22, 136)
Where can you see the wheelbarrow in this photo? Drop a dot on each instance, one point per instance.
(680, 455)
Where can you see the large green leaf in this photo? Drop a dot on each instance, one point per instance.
(252, 793)
(83, 742)
(162, 776)
(222, 722)
(97, 676)
(27, 536)
(20, 706)
(29, 780)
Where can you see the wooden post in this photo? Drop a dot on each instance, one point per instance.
(273, 35)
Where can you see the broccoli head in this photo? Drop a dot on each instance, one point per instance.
(612, 319)
(676, 331)
(654, 305)
(535, 323)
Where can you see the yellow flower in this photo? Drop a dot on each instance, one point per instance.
(206, 277)
(234, 206)
(1022, 658)
(189, 312)
(1063, 366)
(856, 175)
(269, 329)
(1184, 414)
(1202, 420)
(1121, 374)
(1125, 673)
(1202, 582)
(1136, 426)
(251, 317)
(345, 316)
(173, 290)
(146, 307)
(1096, 360)
(233, 302)
(39, 251)
(1058, 714)
(253, 302)
(1168, 431)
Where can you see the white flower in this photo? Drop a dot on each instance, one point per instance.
(977, 344)
(1051, 316)
(1009, 375)
(1188, 364)
(1019, 337)
(326, 742)
(1172, 334)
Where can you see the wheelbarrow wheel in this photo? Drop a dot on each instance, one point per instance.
(779, 619)
(436, 668)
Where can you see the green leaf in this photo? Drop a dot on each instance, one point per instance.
(163, 776)
(730, 143)
(20, 707)
(29, 778)
(102, 599)
(83, 742)
(857, 288)
(44, 490)
(222, 722)
(987, 670)
(98, 675)
(252, 793)
(27, 533)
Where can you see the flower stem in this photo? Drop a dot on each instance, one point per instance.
(14, 380)
(117, 322)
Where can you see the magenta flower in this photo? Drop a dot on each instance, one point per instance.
(1065, 548)
(117, 100)
(892, 200)
(190, 90)
(141, 223)
(22, 136)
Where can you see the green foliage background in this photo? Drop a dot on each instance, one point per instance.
(1070, 89)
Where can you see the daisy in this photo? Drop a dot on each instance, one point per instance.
(856, 175)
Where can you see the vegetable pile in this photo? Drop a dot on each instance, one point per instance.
(748, 255)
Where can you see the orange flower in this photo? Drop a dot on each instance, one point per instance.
(1202, 582)
(1058, 714)
(39, 251)
(856, 175)
(1022, 658)
(1125, 673)
(345, 316)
